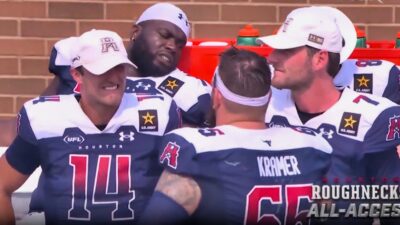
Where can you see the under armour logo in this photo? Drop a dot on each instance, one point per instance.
(327, 134)
(123, 136)
(107, 43)
(180, 16)
(145, 87)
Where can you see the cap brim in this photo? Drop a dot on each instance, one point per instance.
(280, 41)
(103, 65)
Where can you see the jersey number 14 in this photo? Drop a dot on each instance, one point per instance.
(101, 193)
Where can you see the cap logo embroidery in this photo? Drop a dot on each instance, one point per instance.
(108, 43)
(286, 24)
(316, 39)
(180, 16)
(76, 58)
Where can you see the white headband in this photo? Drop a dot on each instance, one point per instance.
(242, 100)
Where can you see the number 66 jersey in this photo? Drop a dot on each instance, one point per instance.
(92, 176)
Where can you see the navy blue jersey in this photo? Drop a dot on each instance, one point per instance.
(377, 77)
(246, 175)
(363, 130)
(91, 175)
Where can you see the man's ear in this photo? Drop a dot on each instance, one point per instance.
(76, 75)
(216, 98)
(135, 30)
(320, 60)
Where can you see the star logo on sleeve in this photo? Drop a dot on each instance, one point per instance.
(171, 86)
(148, 120)
(363, 83)
(349, 123)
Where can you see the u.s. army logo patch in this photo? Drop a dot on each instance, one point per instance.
(171, 86)
(363, 83)
(148, 120)
(349, 123)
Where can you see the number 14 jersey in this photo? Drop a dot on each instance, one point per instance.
(92, 176)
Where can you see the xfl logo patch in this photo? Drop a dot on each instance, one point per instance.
(170, 154)
(393, 128)
(171, 86)
(349, 123)
(148, 120)
(363, 83)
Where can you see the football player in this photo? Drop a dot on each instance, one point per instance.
(97, 149)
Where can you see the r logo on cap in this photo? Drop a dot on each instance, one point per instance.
(108, 43)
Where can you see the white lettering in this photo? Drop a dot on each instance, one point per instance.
(276, 166)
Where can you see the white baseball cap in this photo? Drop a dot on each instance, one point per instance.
(167, 12)
(99, 51)
(309, 26)
(346, 28)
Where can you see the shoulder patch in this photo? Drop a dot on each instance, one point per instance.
(349, 123)
(393, 129)
(171, 85)
(148, 120)
(363, 83)
(170, 154)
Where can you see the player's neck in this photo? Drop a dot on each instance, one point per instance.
(249, 124)
(98, 114)
(241, 122)
(317, 98)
